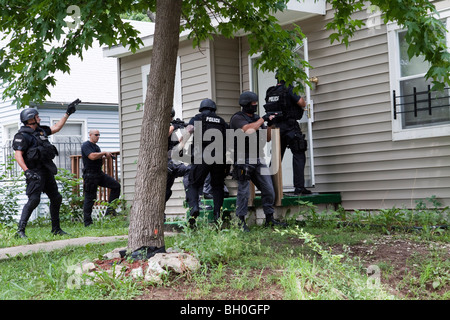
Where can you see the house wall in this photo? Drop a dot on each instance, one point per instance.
(353, 147)
(196, 85)
(9, 116)
(211, 71)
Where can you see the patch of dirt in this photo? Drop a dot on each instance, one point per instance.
(394, 258)
(183, 289)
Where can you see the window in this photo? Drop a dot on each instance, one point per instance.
(177, 96)
(417, 111)
(68, 142)
(7, 151)
(8, 133)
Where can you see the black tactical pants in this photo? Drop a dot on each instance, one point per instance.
(291, 137)
(46, 184)
(91, 182)
(197, 176)
(174, 171)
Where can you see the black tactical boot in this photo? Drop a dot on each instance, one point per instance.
(21, 229)
(301, 191)
(271, 221)
(59, 232)
(243, 225)
(56, 229)
(216, 217)
(193, 220)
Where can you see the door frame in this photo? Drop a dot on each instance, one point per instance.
(308, 118)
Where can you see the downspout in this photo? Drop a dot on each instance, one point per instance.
(119, 84)
(240, 65)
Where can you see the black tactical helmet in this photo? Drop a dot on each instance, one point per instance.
(28, 114)
(207, 104)
(172, 113)
(247, 97)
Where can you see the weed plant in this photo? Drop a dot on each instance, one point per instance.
(431, 219)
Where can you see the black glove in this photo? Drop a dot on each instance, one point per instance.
(31, 175)
(266, 117)
(175, 126)
(71, 108)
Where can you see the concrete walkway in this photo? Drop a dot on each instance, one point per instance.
(6, 253)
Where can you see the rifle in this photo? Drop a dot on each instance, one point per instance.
(277, 114)
(179, 122)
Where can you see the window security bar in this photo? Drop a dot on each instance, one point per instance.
(423, 98)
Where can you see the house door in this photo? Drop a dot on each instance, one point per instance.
(260, 82)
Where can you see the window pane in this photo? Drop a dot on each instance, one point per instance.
(68, 142)
(408, 67)
(440, 112)
(10, 132)
(70, 129)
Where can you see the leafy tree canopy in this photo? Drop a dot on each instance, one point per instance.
(40, 35)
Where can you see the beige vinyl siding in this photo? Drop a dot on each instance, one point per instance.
(226, 76)
(196, 86)
(131, 117)
(353, 147)
(196, 79)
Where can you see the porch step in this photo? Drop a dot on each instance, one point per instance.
(229, 204)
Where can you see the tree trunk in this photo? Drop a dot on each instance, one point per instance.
(147, 212)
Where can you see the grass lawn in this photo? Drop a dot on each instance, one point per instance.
(299, 262)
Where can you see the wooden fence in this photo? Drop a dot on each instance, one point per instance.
(110, 167)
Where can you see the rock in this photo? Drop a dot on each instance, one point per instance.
(115, 254)
(158, 265)
(178, 262)
(154, 272)
(86, 266)
(137, 273)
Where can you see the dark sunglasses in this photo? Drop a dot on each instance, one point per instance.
(97, 134)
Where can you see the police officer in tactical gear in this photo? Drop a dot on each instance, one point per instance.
(175, 169)
(93, 176)
(291, 135)
(252, 167)
(202, 166)
(34, 153)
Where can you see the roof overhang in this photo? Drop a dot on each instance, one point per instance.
(297, 10)
(82, 106)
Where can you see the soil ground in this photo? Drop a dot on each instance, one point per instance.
(392, 253)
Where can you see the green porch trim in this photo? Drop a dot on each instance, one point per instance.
(229, 204)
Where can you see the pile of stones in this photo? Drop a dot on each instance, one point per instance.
(152, 270)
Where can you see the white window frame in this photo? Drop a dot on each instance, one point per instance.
(53, 121)
(4, 128)
(398, 132)
(177, 94)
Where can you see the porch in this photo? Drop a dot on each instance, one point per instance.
(289, 203)
(110, 167)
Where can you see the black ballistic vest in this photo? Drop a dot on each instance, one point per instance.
(41, 152)
(278, 100)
